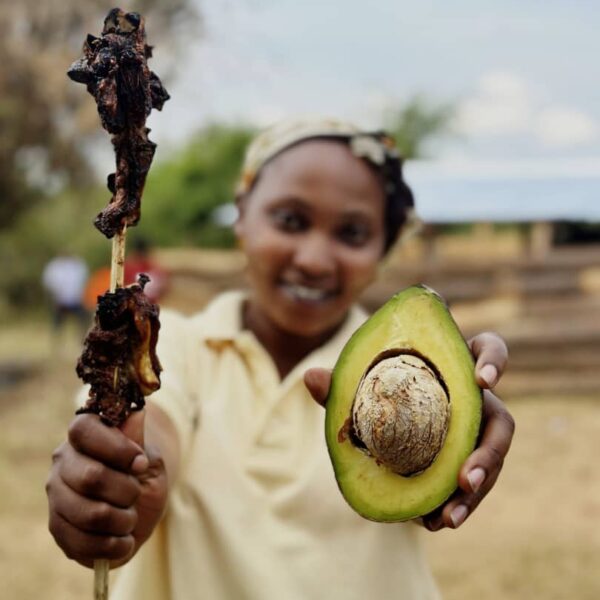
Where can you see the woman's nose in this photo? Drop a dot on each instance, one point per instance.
(315, 256)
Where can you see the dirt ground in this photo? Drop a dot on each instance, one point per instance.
(536, 536)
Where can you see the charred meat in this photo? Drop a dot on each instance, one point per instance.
(114, 68)
(119, 355)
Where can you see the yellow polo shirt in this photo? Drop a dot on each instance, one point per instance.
(256, 513)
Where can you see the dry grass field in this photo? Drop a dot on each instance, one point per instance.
(536, 536)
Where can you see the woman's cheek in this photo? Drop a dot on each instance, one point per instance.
(361, 271)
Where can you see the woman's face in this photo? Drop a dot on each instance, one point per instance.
(313, 232)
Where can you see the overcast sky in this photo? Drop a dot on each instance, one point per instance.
(523, 75)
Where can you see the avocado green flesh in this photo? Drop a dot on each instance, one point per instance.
(414, 321)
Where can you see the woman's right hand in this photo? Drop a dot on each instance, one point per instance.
(106, 490)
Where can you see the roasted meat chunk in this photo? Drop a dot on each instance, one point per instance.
(119, 355)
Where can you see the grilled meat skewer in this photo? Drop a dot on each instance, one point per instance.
(115, 71)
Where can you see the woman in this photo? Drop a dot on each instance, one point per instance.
(228, 465)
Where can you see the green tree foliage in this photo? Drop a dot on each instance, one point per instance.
(182, 193)
(417, 124)
(177, 209)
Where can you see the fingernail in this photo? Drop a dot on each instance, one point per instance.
(476, 477)
(489, 374)
(139, 464)
(458, 515)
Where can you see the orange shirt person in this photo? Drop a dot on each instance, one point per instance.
(139, 261)
(97, 284)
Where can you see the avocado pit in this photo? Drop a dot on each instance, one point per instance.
(401, 413)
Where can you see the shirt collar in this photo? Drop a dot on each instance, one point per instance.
(222, 326)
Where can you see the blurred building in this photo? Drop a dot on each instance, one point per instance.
(559, 199)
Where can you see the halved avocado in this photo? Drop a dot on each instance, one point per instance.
(414, 323)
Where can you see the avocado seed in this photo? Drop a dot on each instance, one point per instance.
(401, 413)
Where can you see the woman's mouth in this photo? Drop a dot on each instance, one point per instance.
(305, 293)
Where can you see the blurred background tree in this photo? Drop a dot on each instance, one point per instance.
(46, 122)
(47, 184)
(417, 124)
(189, 197)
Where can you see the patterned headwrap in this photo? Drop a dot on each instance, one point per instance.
(377, 148)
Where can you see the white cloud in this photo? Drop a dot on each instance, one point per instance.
(371, 108)
(561, 126)
(263, 115)
(502, 105)
(506, 105)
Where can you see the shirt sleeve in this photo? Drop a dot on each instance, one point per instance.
(176, 396)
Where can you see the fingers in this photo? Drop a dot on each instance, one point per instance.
(153, 500)
(93, 516)
(498, 428)
(318, 382)
(455, 511)
(491, 355)
(92, 479)
(86, 528)
(87, 547)
(108, 445)
(481, 469)
(92, 490)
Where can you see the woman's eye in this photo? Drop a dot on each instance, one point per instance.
(289, 220)
(354, 234)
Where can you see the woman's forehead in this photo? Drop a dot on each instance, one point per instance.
(322, 179)
(321, 162)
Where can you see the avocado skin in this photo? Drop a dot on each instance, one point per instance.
(414, 321)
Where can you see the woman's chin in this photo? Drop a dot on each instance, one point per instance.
(308, 325)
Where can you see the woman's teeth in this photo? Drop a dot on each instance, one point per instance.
(302, 292)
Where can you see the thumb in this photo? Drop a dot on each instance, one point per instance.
(133, 427)
(318, 382)
(491, 354)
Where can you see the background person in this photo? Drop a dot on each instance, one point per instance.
(97, 285)
(64, 278)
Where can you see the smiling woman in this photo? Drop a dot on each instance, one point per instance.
(232, 450)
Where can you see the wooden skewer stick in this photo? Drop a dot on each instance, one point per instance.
(117, 277)
(117, 261)
(101, 569)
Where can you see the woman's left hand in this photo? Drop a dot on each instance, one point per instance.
(479, 472)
